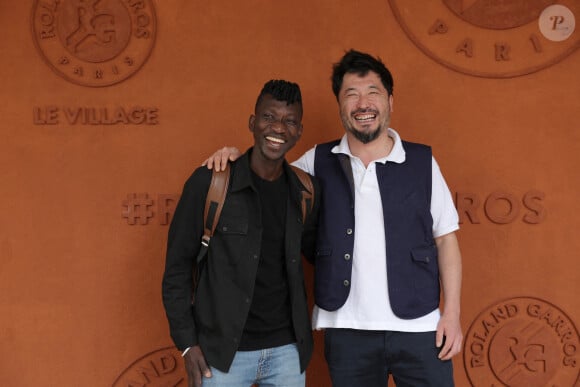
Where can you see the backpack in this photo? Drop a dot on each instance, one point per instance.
(216, 196)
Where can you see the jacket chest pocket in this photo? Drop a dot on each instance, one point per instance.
(231, 243)
(233, 227)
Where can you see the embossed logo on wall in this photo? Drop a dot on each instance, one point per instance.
(94, 42)
(491, 38)
(522, 342)
(161, 368)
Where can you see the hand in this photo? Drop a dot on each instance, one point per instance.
(196, 366)
(219, 159)
(450, 329)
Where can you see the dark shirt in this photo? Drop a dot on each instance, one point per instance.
(269, 322)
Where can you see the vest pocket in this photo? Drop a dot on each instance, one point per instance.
(424, 254)
(426, 272)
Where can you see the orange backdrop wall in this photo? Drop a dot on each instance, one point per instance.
(99, 132)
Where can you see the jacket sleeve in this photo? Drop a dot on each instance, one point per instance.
(309, 233)
(183, 244)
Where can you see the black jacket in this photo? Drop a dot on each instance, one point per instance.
(223, 295)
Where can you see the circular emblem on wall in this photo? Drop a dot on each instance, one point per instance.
(522, 342)
(94, 42)
(491, 38)
(161, 368)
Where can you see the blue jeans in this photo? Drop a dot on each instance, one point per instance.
(272, 367)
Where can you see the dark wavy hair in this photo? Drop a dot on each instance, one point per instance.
(356, 62)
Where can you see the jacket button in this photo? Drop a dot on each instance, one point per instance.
(346, 257)
(348, 231)
(247, 300)
(426, 259)
(225, 228)
(346, 282)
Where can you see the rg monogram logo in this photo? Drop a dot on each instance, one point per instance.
(94, 42)
(522, 342)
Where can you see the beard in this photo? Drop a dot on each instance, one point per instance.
(366, 137)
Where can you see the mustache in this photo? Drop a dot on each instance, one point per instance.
(367, 110)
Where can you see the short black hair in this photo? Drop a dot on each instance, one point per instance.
(356, 62)
(281, 90)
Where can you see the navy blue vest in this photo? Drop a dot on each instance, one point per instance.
(412, 268)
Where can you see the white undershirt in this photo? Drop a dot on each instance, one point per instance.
(367, 306)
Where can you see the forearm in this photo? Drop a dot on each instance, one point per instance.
(450, 269)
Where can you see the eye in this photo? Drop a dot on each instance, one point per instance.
(291, 123)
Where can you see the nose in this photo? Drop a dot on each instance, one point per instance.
(278, 126)
(362, 102)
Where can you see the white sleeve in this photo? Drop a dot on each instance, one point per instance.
(306, 161)
(445, 218)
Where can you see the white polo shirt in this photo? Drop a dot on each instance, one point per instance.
(367, 306)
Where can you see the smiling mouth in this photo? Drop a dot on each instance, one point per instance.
(275, 140)
(366, 117)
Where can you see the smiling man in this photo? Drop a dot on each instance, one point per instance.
(250, 322)
(388, 245)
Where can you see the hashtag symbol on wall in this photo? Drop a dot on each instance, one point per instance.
(137, 208)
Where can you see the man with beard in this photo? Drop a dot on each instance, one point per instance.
(386, 243)
(249, 322)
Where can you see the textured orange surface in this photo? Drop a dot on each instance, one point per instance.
(80, 274)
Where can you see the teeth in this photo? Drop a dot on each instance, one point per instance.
(274, 139)
(364, 117)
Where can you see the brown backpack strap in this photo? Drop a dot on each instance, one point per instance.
(216, 195)
(308, 195)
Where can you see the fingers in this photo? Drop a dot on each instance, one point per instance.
(215, 161)
(439, 338)
(202, 370)
(445, 352)
(196, 367)
(224, 155)
(451, 347)
(203, 367)
(221, 157)
(193, 378)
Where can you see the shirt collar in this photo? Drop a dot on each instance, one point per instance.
(397, 154)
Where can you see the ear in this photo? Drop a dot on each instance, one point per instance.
(391, 100)
(251, 122)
